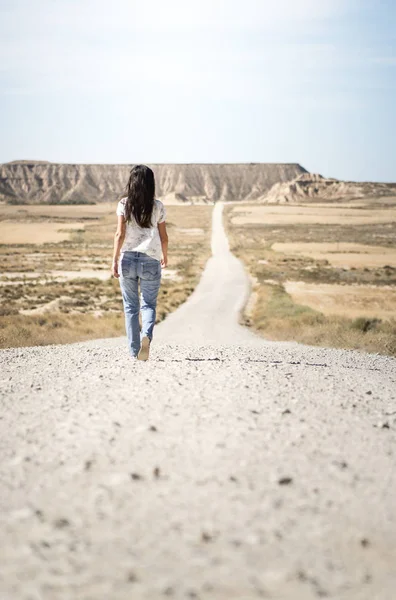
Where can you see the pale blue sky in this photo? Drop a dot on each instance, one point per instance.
(100, 81)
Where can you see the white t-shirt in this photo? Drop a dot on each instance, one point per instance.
(142, 239)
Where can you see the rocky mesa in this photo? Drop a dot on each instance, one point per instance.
(28, 182)
(310, 187)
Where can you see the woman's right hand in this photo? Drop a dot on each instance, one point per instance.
(114, 269)
(164, 262)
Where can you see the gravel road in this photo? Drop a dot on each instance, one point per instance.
(226, 467)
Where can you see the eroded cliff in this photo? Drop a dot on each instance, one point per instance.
(309, 187)
(40, 182)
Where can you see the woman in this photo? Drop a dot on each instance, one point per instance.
(142, 241)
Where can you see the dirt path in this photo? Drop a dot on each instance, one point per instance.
(225, 468)
(210, 315)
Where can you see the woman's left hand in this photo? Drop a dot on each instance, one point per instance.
(114, 269)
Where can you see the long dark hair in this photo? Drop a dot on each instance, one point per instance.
(141, 192)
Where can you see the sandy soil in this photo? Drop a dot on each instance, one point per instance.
(226, 467)
(36, 233)
(341, 254)
(91, 211)
(345, 300)
(282, 215)
(16, 278)
(190, 230)
(361, 203)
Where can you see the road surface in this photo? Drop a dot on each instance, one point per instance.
(226, 467)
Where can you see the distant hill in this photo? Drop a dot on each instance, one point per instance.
(35, 182)
(313, 187)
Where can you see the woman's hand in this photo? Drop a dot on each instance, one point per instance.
(164, 244)
(114, 269)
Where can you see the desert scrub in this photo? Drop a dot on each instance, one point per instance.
(89, 308)
(277, 317)
(57, 328)
(275, 314)
(74, 320)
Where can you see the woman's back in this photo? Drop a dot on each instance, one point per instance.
(143, 239)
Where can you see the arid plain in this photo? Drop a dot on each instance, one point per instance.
(322, 273)
(321, 252)
(55, 280)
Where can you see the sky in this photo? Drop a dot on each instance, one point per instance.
(181, 81)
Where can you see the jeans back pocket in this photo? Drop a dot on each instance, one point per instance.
(151, 269)
(127, 267)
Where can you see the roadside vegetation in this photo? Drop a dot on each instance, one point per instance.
(318, 311)
(54, 293)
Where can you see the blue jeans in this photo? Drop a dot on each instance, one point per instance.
(135, 267)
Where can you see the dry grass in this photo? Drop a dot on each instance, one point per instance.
(66, 308)
(291, 215)
(342, 254)
(53, 212)
(57, 328)
(277, 315)
(345, 300)
(22, 233)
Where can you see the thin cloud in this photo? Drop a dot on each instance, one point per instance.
(127, 15)
(156, 14)
(88, 45)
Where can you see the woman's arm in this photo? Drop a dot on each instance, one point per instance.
(118, 241)
(164, 243)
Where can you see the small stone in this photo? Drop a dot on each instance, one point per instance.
(285, 480)
(206, 537)
(385, 425)
(153, 428)
(168, 591)
(157, 472)
(364, 542)
(136, 476)
(234, 479)
(286, 412)
(369, 392)
(88, 465)
(341, 463)
(132, 577)
(61, 523)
